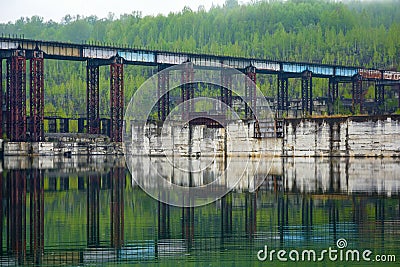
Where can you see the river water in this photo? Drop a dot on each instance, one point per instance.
(82, 211)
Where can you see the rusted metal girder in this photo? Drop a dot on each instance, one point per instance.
(37, 97)
(116, 99)
(357, 94)
(226, 87)
(283, 93)
(117, 207)
(187, 90)
(16, 96)
(306, 93)
(162, 93)
(250, 92)
(333, 94)
(1, 98)
(92, 98)
(379, 97)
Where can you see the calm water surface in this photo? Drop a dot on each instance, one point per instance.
(88, 211)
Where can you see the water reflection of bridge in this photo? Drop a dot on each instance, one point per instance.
(280, 211)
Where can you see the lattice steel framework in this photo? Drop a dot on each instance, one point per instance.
(92, 98)
(187, 90)
(306, 93)
(162, 93)
(379, 96)
(250, 92)
(16, 97)
(117, 100)
(117, 207)
(37, 97)
(357, 94)
(226, 87)
(333, 93)
(283, 94)
(1, 98)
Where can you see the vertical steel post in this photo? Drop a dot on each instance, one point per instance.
(187, 90)
(37, 97)
(283, 94)
(250, 92)
(306, 93)
(163, 94)
(1, 100)
(333, 94)
(379, 96)
(226, 87)
(117, 206)
(356, 93)
(117, 99)
(16, 97)
(92, 98)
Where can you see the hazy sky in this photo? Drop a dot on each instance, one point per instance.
(12, 10)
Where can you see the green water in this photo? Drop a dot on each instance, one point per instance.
(84, 212)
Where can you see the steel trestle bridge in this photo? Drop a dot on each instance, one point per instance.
(17, 51)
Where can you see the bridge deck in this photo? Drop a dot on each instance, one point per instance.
(80, 52)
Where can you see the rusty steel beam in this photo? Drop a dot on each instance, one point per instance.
(1, 99)
(16, 97)
(250, 92)
(116, 100)
(92, 98)
(226, 87)
(283, 93)
(187, 90)
(117, 207)
(306, 93)
(357, 94)
(162, 93)
(37, 97)
(379, 97)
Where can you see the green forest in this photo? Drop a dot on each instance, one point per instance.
(351, 33)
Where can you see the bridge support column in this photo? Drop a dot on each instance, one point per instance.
(187, 90)
(36, 215)
(250, 92)
(333, 94)
(116, 99)
(92, 98)
(306, 93)
(117, 207)
(37, 97)
(357, 94)
(379, 97)
(162, 93)
(1, 100)
(93, 211)
(16, 97)
(283, 93)
(226, 87)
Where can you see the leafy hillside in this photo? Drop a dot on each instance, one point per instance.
(352, 33)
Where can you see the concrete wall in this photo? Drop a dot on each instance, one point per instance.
(314, 137)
